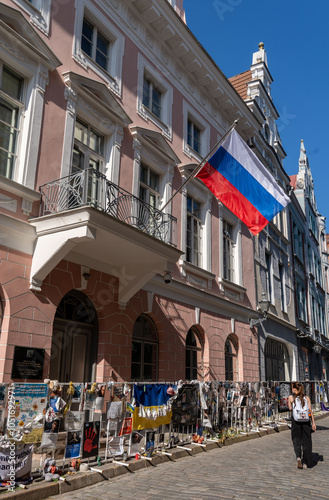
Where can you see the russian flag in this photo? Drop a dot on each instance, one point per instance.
(241, 182)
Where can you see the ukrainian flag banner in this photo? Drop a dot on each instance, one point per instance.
(151, 406)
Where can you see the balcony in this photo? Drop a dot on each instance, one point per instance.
(86, 219)
(91, 188)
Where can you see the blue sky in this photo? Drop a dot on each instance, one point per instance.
(295, 35)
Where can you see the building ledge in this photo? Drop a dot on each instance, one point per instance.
(232, 290)
(94, 239)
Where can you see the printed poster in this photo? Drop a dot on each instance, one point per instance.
(73, 444)
(22, 462)
(30, 401)
(73, 420)
(126, 426)
(50, 434)
(90, 439)
(115, 446)
(136, 442)
(284, 396)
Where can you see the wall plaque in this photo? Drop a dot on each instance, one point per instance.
(28, 363)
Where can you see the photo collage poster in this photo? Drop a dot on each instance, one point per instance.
(30, 402)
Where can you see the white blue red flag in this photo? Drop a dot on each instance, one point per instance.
(242, 183)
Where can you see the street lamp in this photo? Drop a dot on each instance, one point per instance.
(263, 308)
(317, 348)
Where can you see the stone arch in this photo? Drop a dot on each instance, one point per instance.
(75, 339)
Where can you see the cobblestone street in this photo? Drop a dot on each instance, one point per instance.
(263, 468)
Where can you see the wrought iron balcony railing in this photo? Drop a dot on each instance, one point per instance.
(91, 188)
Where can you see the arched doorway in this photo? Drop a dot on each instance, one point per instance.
(144, 357)
(75, 339)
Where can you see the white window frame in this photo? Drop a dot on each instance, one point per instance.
(197, 191)
(226, 215)
(39, 12)
(81, 106)
(148, 188)
(87, 151)
(112, 77)
(190, 113)
(231, 252)
(199, 233)
(14, 103)
(282, 276)
(269, 277)
(144, 68)
(26, 63)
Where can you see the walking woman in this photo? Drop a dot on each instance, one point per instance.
(302, 425)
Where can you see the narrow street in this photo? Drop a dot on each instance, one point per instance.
(262, 468)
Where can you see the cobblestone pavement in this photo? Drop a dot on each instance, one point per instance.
(263, 468)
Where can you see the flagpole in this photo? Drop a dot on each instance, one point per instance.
(200, 165)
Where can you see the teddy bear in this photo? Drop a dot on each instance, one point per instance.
(50, 470)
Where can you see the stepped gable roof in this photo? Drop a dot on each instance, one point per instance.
(240, 81)
(293, 181)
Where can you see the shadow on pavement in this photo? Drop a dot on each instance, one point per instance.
(316, 458)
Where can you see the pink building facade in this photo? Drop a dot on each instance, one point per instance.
(107, 107)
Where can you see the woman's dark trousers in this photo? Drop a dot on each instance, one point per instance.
(302, 441)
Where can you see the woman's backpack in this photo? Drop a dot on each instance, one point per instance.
(300, 413)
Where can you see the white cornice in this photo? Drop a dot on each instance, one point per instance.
(199, 298)
(185, 61)
(17, 234)
(18, 189)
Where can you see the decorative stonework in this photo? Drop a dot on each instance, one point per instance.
(42, 79)
(137, 146)
(71, 98)
(149, 39)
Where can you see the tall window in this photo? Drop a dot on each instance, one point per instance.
(144, 358)
(268, 276)
(193, 232)
(95, 45)
(11, 105)
(152, 98)
(298, 242)
(228, 251)
(149, 186)
(193, 356)
(193, 136)
(277, 363)
(301, 302)
(231, 368)
(88, 148)
(282, 285)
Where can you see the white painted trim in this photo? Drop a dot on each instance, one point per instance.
(113, 78)
(35, 77)
(201, 194)
(189, 112)
(143, 153)
(165, 124)
(17, 235)
(225, 214)
(39, 12)
(102, 121)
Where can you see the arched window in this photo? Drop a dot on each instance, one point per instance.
(193, 356)
(277, 365)
(231, 365)
(144, 357)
